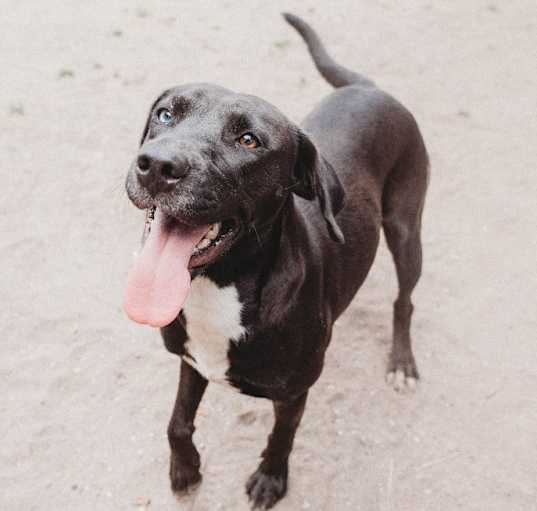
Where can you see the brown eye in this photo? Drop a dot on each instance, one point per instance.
(248, 140)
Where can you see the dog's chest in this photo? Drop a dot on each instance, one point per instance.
(213, 320)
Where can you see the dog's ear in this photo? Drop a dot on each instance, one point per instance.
(148, 121)
(315, 178)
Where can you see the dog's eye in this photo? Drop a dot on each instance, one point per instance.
(164, 116)
(248, 140)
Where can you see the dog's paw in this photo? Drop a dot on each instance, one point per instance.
(184, 479)
(264, 490)
(402, 375)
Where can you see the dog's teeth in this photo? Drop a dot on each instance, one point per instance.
(204, 243)
(213, 231)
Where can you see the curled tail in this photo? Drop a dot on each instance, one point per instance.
(333, 73)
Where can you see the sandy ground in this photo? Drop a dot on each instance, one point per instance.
(86, 394)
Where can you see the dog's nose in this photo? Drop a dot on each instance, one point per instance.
(157, 166)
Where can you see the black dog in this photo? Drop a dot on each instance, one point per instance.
(277, 227)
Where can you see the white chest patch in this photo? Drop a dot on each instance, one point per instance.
(213, 320)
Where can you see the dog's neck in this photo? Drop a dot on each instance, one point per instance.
(258, 249)
(276, 249)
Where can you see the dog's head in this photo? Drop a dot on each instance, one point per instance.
(211, 157)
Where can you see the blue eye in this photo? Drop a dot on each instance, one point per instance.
(164, 116)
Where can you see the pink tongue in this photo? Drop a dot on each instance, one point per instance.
(158, 283)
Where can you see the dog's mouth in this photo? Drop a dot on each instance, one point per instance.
(158, 283)
(216, 241)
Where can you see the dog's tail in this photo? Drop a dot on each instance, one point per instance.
(333, 73)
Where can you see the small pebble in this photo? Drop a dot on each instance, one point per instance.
(16, 109)
(142, 501)
(66, 73)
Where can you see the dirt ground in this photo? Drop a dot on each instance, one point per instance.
(86, 394)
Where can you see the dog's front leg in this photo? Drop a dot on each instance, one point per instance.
(184, 459)
(268, 483)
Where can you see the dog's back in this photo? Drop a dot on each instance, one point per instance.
(374, 145)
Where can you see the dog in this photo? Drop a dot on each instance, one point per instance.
(259, 234)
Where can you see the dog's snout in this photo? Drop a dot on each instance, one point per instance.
(159, 169)
(163, 166)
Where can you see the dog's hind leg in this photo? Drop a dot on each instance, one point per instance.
(268, 483)
(403, 199)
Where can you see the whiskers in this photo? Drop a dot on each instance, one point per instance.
(283, 189)
(259, 241)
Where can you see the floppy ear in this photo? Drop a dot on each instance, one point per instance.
(315, 178)
(148, 122)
